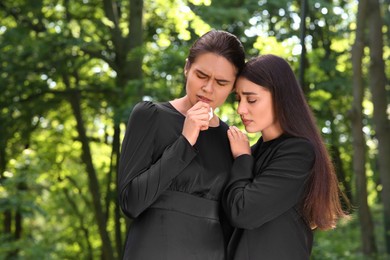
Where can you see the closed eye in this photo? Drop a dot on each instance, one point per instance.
(222, 82)
(201, 75)
(250, 97)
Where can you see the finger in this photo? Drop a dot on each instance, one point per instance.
(233, 132)
(243, 136)
(230, 136)
(205, 125)
(239, 134)
(200, 105)
(197, 109)
(238, 131)
(198, 115)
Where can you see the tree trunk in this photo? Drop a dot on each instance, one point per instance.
(7, 214)
(341, 176)
(93, 182)
(378, 89)
(83, 227)
(302, 62)
(128, 70)
(115, 159)
(359, 158)
(135, 37)
(128, 66)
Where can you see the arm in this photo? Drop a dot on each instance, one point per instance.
(140, 180)
(252, 201)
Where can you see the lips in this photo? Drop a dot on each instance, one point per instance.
(204, 99)
(246, 121)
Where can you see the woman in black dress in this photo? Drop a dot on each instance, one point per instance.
(285, 186)
(176, 159)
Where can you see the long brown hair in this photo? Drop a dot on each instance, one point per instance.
(321, 205)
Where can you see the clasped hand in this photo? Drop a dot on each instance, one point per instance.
(197, 119)
(239, 143)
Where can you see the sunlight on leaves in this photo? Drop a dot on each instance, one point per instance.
(201, 2)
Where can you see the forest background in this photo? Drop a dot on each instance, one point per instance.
(71, 72)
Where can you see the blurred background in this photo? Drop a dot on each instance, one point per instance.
(71, 72)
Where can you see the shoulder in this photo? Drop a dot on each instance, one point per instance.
(144, 107)
(288, 141)
(223, 125)
(144, 110)
(289, 154)
(298, 146)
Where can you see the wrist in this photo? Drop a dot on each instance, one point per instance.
(191, 141)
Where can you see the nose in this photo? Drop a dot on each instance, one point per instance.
(208, 86)
(241, 109)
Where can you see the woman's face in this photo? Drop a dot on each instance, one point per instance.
(210, 79)
(255, 106)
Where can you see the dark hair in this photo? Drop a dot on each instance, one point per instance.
(221, 43)
(321, 205)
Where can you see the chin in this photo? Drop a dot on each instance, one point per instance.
(251, 129)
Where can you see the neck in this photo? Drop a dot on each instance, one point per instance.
(181, 104)
(272, 133)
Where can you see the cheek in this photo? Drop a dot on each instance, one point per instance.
(269, 118)
(191, 83)
(261, 113)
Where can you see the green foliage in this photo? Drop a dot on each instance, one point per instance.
(53, 52)
(343, 243)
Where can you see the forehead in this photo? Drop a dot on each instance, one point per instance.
(213, 64)
(247, 87)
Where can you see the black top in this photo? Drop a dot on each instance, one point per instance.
(160, 178)
(155, 157)
(262, 200)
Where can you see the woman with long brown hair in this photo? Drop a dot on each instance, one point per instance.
(285, 186)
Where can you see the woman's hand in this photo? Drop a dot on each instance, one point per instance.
(197, 119)
(239, 143)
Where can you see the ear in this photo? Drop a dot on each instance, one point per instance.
(186, 67)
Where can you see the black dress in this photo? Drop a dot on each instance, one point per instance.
(263, 199)
(171, 189)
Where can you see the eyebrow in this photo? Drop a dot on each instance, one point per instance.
(219, 80)
(248, 93)
(201, 72)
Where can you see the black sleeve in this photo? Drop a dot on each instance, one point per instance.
(252, 201)
(140, 180)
